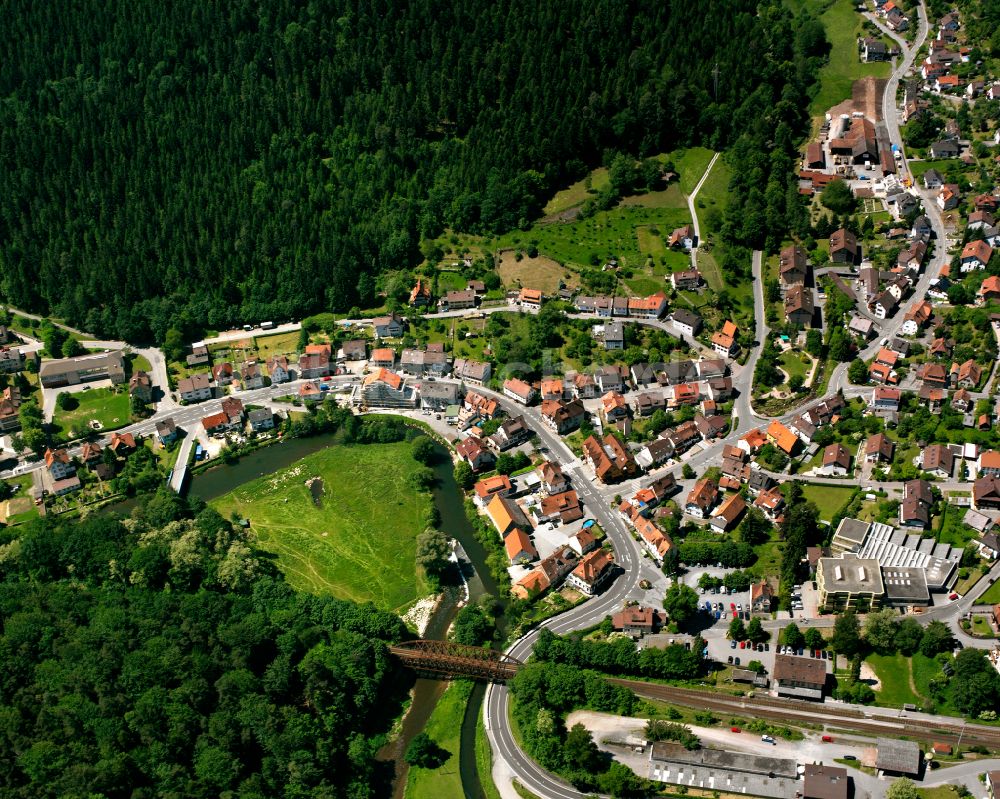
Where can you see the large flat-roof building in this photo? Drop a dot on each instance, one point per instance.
(849, 583)
(719, 770)
(85, 368)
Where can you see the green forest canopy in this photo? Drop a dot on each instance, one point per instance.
(164, 656)
(197, 164)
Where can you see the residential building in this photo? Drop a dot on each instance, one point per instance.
(611, 460)
(422, 363)
(310, 392)
(843, 247)
(59, 463)
(260, 420)
(198, 356)
(391, 326)
(519, 391)
(593, 571)
(385, 389)
(799, 677)
(420, 294)
(686, 279)
(938, 459)
(701, 499)
(729, 511)
(530, 298)
(986, 493)
(761, 597)
(793, 265)
(651, 307)
(915, 509)
(975, 255)
(609, 378)
(638, 621)
(195, 388)
(948, 197)
(140, 386)
(166, 430)
(458, 300)
(83, 369)
(614, 336)
(475, 452)
(222, 374)
(216, 424)
(313, 365)
(353, 350)
(519, 548)
(11, 360)
(509, 434)
(251, 375)
(783, 438)
(491, 486)
(724, 341)
(836, 461)
(682, 238)
(476, 372)
(879, 448)
(507, 515)
(687, 322)
(799, 305)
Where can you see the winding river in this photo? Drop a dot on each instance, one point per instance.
(450, 504)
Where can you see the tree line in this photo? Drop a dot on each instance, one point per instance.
(201, 165)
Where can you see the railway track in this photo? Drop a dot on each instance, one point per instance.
(790, 711)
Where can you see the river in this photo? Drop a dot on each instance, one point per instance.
(450, 505)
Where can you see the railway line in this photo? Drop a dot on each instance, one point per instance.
(828, 715)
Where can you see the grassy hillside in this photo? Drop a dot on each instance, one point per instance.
(358, 541)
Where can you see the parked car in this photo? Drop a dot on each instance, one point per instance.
(730, 660)
(736, 661)
(827, 739)
(743, 644)
(768, 740)
(735, 729)
(732, 644)
(953, 595)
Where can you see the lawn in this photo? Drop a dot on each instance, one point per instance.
(843, 26)
(939, 792)
(19, 507)
(445, 729)
(918, 168)
(359, 542)
(828, 498)
(280, 344)
(981, 627)
(895, 677)
(791, 362)
(111, 408)
(139, 363)
(992, 595)
(450, 281)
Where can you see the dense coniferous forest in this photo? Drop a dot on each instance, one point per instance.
(197, 164)
(163, 656)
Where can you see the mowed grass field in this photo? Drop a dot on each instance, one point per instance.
(359, 543)
(828, 498)
(843, 26)
(112, 409)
